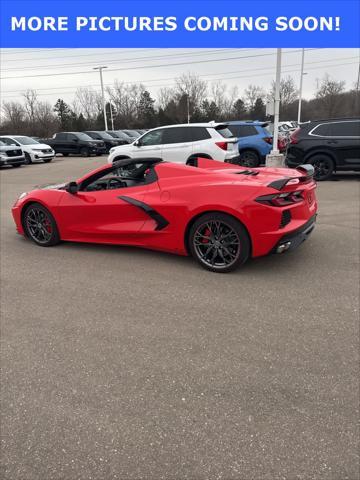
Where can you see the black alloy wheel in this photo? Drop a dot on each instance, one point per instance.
(323, 167)
(40, 226)
(219, 242)
(248, 158)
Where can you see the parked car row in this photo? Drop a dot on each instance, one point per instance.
(329, 145)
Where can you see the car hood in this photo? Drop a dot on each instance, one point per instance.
(38, 145)
(50, 186)
(6, 148)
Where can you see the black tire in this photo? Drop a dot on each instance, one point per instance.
(40, 226)
(84, 152)
(65, 154)
(323, 165)
(28, 160)
(248, 158)
(207, 243)
(47, 160)
(192, 160)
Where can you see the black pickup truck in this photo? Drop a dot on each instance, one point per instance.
(71, 143)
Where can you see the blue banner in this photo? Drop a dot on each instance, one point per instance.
(170, 24)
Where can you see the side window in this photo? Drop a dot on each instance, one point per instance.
(71, 137)
(322, 130)
(235, 130)
(152, 138)
(345, 129)
(199, 133)
(177, 135)
(61, 136)
(247, 131)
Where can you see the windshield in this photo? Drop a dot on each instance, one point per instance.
(9, 141)
(133, 133)
(25, 140)
(83, 136)
(105, 135)
(122, 135)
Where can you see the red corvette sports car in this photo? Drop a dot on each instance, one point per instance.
(219, 213)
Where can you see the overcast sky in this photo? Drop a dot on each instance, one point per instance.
(55, 73)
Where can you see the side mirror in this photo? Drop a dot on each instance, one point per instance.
(137, 143)
(76, 140)
(72, 187)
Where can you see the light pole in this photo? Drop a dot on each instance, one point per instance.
(188, 108)
(102, 93)
(111, 116)
(301, 84)
(275, 158)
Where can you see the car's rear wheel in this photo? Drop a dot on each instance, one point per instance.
(219, 242)
(27, 159)
(323, 166)
(85, 152)
(40, 226)
(249, 158)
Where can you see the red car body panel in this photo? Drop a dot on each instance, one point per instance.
(179, 194)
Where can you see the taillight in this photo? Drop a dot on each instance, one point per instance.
(281, 199)
(222, 145)
(268, 140)
(294, 137)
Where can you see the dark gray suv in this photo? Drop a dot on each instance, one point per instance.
(330, 145)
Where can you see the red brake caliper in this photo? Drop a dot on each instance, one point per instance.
(48, 225)
(207, 233)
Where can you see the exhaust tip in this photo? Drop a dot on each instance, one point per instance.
(283, 247)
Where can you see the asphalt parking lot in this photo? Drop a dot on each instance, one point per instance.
(119, 363)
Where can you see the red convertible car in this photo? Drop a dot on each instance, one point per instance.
(219, 213)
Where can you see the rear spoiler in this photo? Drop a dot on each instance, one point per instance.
(280, 184)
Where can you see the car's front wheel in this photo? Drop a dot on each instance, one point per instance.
(27, 159)
(84, 152)
(40, 226)
(219, 242)
(323, 167)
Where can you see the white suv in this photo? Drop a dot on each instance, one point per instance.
(33, 150)
(182, 143)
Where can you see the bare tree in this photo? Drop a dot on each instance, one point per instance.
(46, 122)
(88, 102)
(30, 104)
(126, 98)
(165, 96)
(288, 91)
(13, 112)
(251, 94)
(193, 87)
(329, 94)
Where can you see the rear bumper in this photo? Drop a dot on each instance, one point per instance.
(296, 238)
(13, 161)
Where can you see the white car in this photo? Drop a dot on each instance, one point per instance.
(182, 143)
(33, 150)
